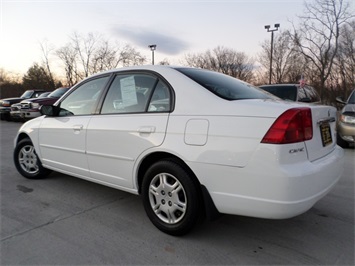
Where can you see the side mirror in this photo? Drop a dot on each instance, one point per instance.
(48, 110)
(340, 100)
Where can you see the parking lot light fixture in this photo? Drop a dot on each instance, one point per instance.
(267, 27)
(152, 47)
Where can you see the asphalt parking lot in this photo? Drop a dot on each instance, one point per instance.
(63, 220)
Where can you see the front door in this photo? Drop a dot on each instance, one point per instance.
(63, 138)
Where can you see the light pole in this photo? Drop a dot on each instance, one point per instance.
(267, 27)
(152, 47)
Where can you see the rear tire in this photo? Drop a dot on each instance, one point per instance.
(171, 197)
(27, 162)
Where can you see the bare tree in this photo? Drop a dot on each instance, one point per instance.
(10, 84)
(164, 62)
(318, 34)
(107, 57)
(85, 48)
(288, 65)
(46, 51)
(224, 60)
(9, 77)
(198, 60)
(128, 56)
(68, 55)
(104, 58)
(345, 59)
(84, 56)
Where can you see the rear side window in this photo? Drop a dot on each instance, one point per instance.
(136, 93)
(128, 93)
(308, 94)
(222, 85)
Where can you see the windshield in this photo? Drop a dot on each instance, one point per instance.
(57, 93)
(352, 98)
(27, 94)
(224, 86)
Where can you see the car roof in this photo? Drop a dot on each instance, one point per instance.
(281, 85)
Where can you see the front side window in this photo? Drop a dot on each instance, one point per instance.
(131, 93)
(83, 100)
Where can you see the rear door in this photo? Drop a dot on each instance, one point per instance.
(133, 118)
(324, 132)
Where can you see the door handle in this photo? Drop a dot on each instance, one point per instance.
(146, 129)
(78, 128)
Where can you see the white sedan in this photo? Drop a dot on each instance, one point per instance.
(191, 142)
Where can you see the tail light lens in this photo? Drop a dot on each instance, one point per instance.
(294, 125)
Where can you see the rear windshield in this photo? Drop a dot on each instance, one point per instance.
(224, 86)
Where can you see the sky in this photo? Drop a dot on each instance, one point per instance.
(177, 27)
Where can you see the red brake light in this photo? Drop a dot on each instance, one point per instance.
(294, 125)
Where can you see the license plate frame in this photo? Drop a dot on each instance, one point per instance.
(326, 134)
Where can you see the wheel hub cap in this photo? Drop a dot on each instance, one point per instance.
(167, 198)
(28, 159)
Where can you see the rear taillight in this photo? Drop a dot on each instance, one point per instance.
(294, 125)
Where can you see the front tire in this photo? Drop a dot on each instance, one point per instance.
(171, 197)
(342, 143)
(27, 162)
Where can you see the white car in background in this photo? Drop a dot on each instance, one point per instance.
(189, 141)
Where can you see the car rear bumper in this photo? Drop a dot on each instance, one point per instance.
(272, 190)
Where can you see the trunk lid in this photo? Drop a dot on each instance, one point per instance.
(323, 141)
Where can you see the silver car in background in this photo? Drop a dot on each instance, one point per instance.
(346, 121)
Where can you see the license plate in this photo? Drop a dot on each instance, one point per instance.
(326, 134)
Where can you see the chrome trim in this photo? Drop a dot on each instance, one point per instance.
(326, 120)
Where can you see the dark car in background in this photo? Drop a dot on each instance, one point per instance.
(15, 112)
(5, 104)
(346, 121)
(30, 108)
(293, 92)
